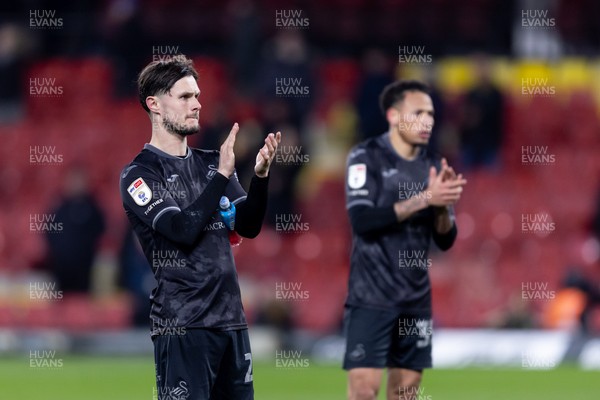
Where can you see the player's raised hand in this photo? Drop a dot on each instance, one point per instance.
(226, 156)
(266, 154)
(445, 187)
(448, 172)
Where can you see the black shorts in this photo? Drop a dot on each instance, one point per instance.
(202, 364)
(386, 338)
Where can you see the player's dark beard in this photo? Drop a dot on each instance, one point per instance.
(179, 129)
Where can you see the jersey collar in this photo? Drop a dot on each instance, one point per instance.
(161, 153)
(387, 143)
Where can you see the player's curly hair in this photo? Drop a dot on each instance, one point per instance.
(395, 92)
(158, 77)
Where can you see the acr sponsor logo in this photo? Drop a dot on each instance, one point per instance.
(214, 226)
(140, 192)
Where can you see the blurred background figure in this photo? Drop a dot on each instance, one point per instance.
(136, 277)
(72, 251)
(482, 125)
(286, 57)
(243, 23)
(376, 74)
(573, 310)
(15, 45)
(517, 314)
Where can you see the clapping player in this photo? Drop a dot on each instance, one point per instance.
(399, 197)
(171, 196)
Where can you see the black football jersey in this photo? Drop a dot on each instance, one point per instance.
(197, 286)
(389, 267)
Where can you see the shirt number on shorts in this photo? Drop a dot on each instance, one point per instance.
(248, 378)
(425, 327)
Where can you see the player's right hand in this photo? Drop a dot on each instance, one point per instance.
(445, 187)
(226, 156)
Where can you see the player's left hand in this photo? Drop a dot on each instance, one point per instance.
(448, 173)
(266, 154)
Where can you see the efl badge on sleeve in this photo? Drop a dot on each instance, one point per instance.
(140, 192)
(357, 176)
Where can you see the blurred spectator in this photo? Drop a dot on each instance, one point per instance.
(278, 315)
(15, 45)
(436, 141)
(136, 276)
(376, 75)
(286, 74)
(244, 28)
(578, 27)
(129, 49)
(545, 42)
(516, 315)
(572, 310)
(71, 251)
(283, 179)
(576, 299)
(482, 127)
(596, 220)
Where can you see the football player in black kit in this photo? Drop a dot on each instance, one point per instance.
(171, 196)
(399, 196)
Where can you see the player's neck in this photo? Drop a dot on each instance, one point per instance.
(174, 145)
(404, 149)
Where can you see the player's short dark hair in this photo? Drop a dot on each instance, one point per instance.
(158, 77)
(395, 92)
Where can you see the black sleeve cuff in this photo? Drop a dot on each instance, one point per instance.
(365, 219)
(251, 212)
(446, 240)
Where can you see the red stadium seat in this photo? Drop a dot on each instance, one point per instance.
(338, 79)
